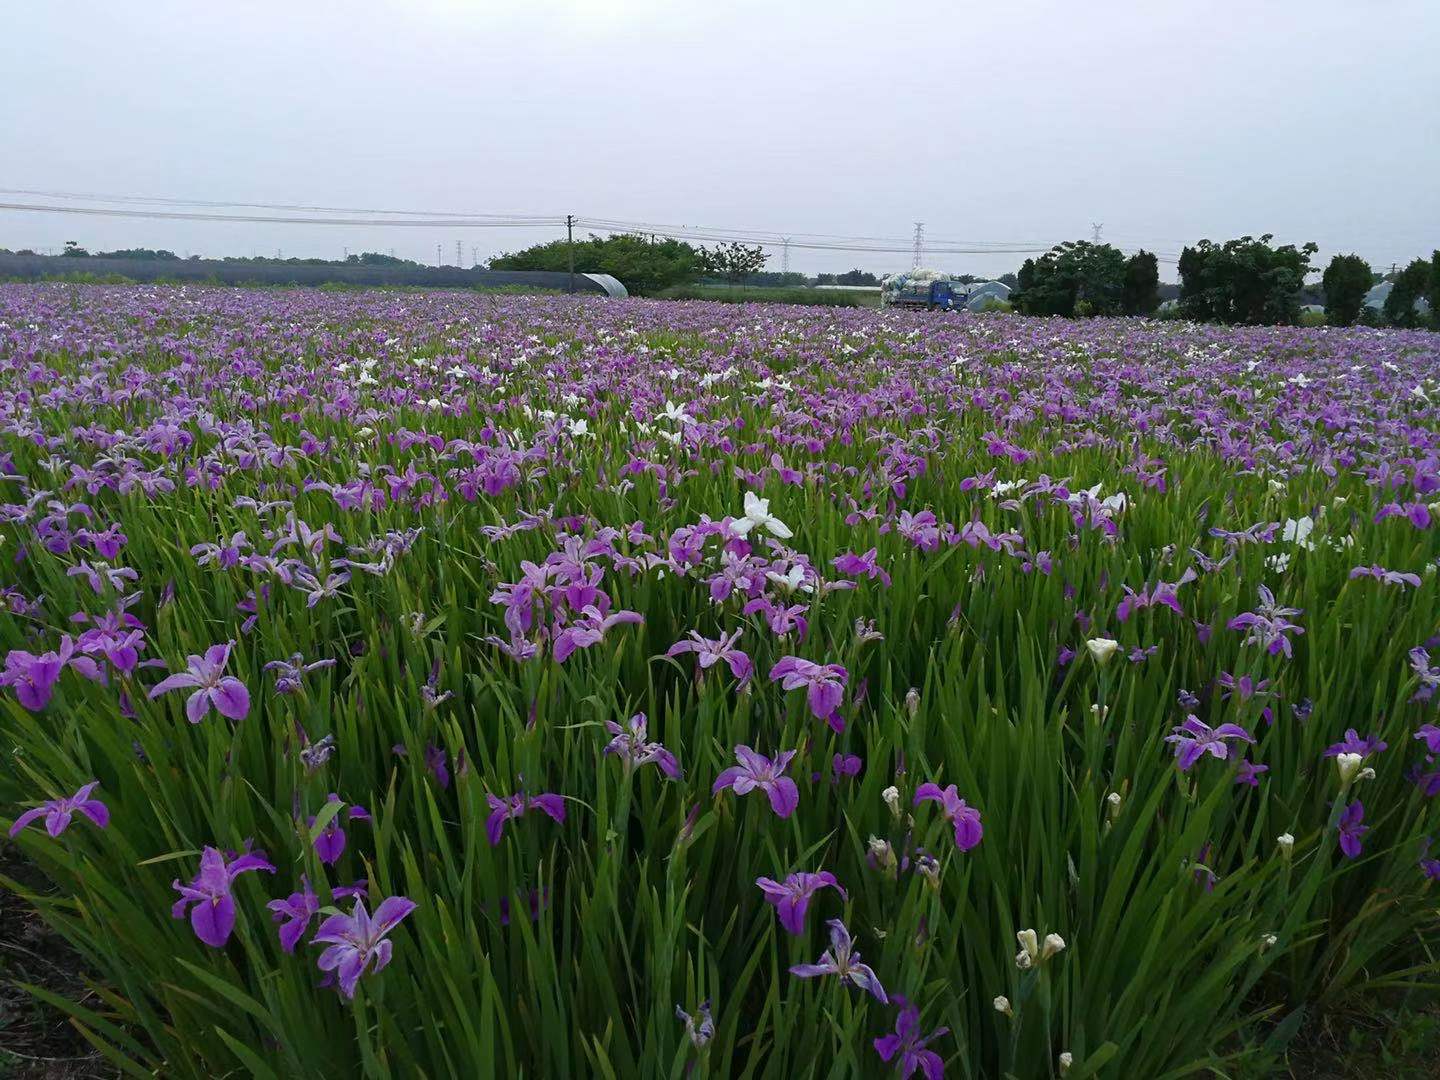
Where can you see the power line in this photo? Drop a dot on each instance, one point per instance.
(214, 204)
(176, 215)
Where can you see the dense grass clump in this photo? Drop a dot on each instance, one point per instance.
(405, 684)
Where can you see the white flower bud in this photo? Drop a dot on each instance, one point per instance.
(1102, 649)
(1347, 765)
(1066, 1060)
(1100, 713)
(891, 795)
(1113, 802)
(882, 855)
(912, 702)
(1366, 773)
(1053, 944)
(1002, 1005)
(1267, 941)
(1029, 950)
(1286, 843)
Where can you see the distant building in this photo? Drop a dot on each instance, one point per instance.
(986, 290)
(1377, 296)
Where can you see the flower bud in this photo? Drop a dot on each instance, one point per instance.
(1102, 649)
(891, 795)
(1113, 802)
(1286, 843)
(881, 856)
(1029, 950)
(1267, 941)
(929, 867)
(1053, 944)
(1100, 712)
(1347, 765)
(1066, 1060)
(1002, 1005)
(912, 702)
(1366, 773)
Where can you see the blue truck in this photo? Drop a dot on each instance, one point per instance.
(930, 295)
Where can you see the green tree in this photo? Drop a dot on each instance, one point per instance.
(1433, 293)
(157, 254)
(1076, 277)
(1140, 294)
(1347, 279)
(1410, 285)
(1243, 281)
(74, 250)
(734, 261)
(644, 266)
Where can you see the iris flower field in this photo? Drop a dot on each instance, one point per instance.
(430, 684)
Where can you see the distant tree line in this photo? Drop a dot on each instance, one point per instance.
(1247, 281)
(365, 258)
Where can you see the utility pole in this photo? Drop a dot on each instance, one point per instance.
(570, 248)
(1095, 227)
(459, 255)
(919, 251)
(437, 255)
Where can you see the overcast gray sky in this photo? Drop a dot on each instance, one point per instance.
(1022, 121)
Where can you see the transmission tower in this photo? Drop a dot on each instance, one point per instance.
(437, 254)
(919, 251)
(1095, 227)
(785, 255)
(459, 256)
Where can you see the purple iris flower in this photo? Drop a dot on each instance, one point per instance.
(58, 812)
(33, 677)
(858, 565)
(758, 771)
(1268, 625)
(842, 960)
(1247, 772)
(911, 1045)
(1430, 735)
(708, 653)
(295, 913)
(1351, 829)
(1388, 577)
(212, 908)
(1193, 739)
(358, 891)
(212, 686)
(964, 818)
(358, 939)
(1425, 671)
(791, 897)
(505, 808)
(330, 844)
(825, 683)
(590, 630)
(290, 674)
(630, 744)
(1245, 687)
(845, 765)
(1354, 744)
